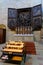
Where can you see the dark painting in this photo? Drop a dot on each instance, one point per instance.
(12, 13)
(25, 17)
(12, 23)
(37, 10)
(12, 18)
(37, 23)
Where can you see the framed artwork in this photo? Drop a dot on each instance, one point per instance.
(37, 23)
(37, 10)
(12, 18)
(12, 12)
(24, 15)
(12, 23)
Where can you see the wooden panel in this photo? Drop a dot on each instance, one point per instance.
(1, 34)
